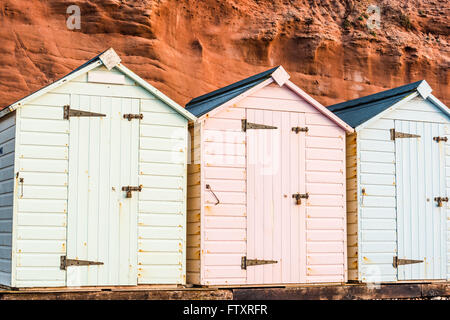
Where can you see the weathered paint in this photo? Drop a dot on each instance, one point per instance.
(395, 189)
(256, 216)
(71, 202)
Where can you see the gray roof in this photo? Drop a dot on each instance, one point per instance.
(357, 111)
(207, 102)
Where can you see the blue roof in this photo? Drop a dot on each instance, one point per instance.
(357, 111)
(207, 102)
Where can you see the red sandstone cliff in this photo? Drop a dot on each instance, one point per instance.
(188, 47)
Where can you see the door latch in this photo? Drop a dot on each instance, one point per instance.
(439, 200)
(299, 196)
(131, 116)
(439, 139)
(300, 129)
(129, 189)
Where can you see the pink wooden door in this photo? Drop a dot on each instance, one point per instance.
(275, 222)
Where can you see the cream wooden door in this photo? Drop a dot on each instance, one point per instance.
(421, 221)
(102, 221)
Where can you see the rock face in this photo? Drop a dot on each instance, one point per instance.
(188, 47)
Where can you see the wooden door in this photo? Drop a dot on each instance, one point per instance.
(421, 222)
(102, 221)
(275, 222)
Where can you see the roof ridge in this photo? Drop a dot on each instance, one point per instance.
(371, 98)
(231, 86)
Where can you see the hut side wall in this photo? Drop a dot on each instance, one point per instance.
(41, 200)
(224, 165)
(42, 160)
(352, 207)
(377, 211)
(7, 155)
(194, 208)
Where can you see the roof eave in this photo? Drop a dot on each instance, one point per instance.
(390, 109)
(109, 59)
(235, 99)
(50, 87)
(320, 107)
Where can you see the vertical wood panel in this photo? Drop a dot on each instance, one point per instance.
(277, 200)
(251, 194)
(286, 205)
(421, 178)
(295, 183)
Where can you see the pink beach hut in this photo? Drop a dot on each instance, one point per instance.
(266, 186)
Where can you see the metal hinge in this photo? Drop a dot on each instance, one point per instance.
(248, 125)
(254, 262)
(398, 135)
(438, 139)
(79, 113)
(300, 129)
(439, 200)
(398, 262)
(129, 189)
(299, 196)
(131, 116)
(73, 262)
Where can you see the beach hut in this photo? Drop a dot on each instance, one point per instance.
(398, 180)
(266, 186)
(93, 182)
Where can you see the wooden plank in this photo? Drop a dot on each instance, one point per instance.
(224, 136)
(164, 119)
(272, 103)
(98, 89)
(40, 125)
(135, 293)
(44, 138)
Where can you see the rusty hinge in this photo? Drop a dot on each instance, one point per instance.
(439, 200)
(398, 262)
(254, 262)
(300, 129)
(131, 116)
(74, 262)
(79, 113)
(129, 189)
(248, 125)
(439, 139)
(398, 135)
(299, 196)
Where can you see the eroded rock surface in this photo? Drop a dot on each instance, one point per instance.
(188, 47)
